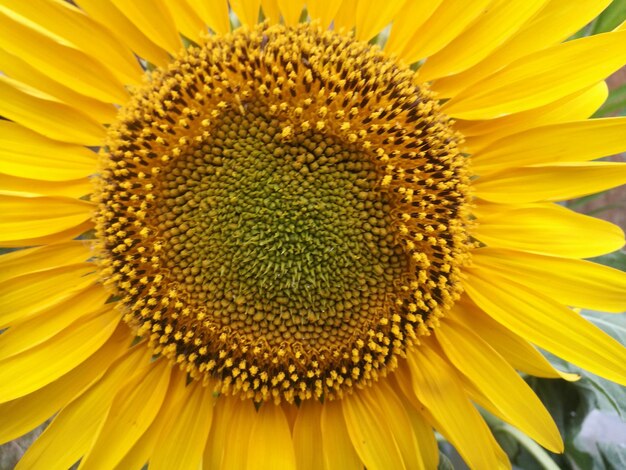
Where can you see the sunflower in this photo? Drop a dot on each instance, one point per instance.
(258, 235)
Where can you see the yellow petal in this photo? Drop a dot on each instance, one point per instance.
(241, 424)
(498, 22)
(517, 351)
(548, 324)
(39, 328)
(576, 107)
(558, 20)
(23, 414)
(571, 282)
(58, 237)
(44, 114)
(26, 154)
(436, 385)
(337, 445)
(346, 15)
(132, 411)
(56, 58)
(324, 11)
(270, 440)
(214, 14)
(290, 10)
(47, 362)
(30, 217)
(551, 182)
(549, 229)
(31, 260)
(371, 436)
(499, 382)
(563, 142)
(541, 77)
(368, 23)
(186, 19)
(307, 436)
(13, 185)
(126, 32)
(74, 429)
(142, 449)
(23, 72)
(445, 24)
(247, 11)
(27, 295)
(271, 11)
(68, 22)
(183, 437)
(405, 27)
(154, 20)
(218, 437)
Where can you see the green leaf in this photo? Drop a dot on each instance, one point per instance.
(615, 103)
(610, 18)
(615, 260)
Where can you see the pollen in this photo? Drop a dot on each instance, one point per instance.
(283, 213)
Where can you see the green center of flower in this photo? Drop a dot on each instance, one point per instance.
(282, 213)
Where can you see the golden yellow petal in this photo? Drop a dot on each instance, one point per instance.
(346, 15)
(405, 27)
(25, 413)
(27, 154)
(337, 445)
(541, 78)
(369, 24)
(323, 10)
(15, 186)
(50, 360)
(307, 436)
(58, 237)
(548, 324)
(270, 440)
(240, 425)
(499, 22)
(290, 10)
(499, 382)
(572, 282)
(549, 229)
(214, 14)
(132, 411)
(247, 11)
(216, 442)
(186, 19)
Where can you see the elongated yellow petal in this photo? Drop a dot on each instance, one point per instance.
(27, 154)
(307, 436)
(549, 229)
(58, 237)
(186, 19)
(154, 20)
(74, 429)
(517, 351)
(58, 59)
(23, 72)
(548, 324)
(371, 437)
(126, 32)
(27, 295)
(445, 24)
(214, 14)
(436, 385)
(346, 15)
(405, 27)
(216, 442)
(183, 438)
(499, 382)
(558, 20)
(25, 413)
(241, 424)
(73, 25)
(541, 78)
(580, 105)
(368, 24)
(270, 440)
(50, 360)
(324, 11)
(44, 114)
(247, 11)
(290, 10)
(132, 411)
(563, 142)
(550, 182)
(337, 445)
(39, 328)
(15, 186)
(30, 217)
(576, 283)
(498, 22)
(31, 260)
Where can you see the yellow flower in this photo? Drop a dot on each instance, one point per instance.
(283, 246)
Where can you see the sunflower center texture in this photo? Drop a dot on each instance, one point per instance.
(282, 212)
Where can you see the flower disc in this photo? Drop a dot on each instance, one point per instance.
(282, 209)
